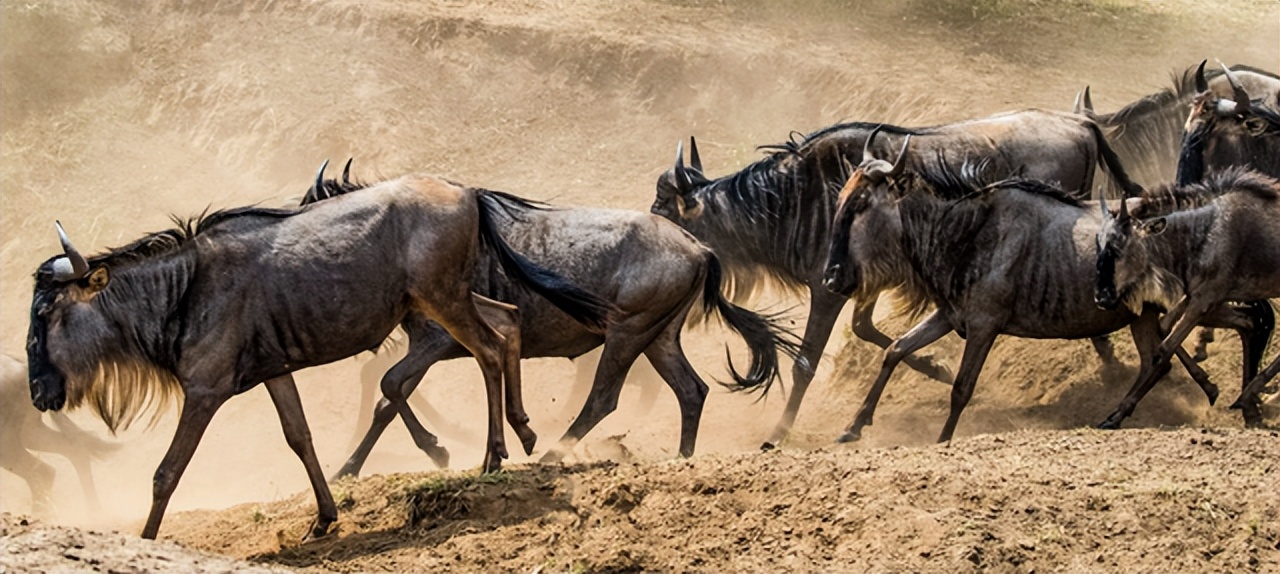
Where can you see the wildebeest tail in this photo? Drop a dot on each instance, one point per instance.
(585, 307)
(762, 333)
(1111, 164)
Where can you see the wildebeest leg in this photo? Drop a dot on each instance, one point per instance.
(932, 328)
(621, 349)
(1255, 334)
(1146, 337)
(427, 346)
(864, 328)
(38, 474)
(79, 448)
(284, 393)
(462, 319)
(1106, 351)
(977, 345)
(668, 358)
(1254, 387)
(505, 319)
(1203, 337)
(198, 405)
(824, 307)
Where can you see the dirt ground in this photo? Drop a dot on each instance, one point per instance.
(117, 114)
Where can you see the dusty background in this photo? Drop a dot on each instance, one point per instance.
(117, 114)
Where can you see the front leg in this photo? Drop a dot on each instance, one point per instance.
(198, 406)
(824, 307)
(977, 345)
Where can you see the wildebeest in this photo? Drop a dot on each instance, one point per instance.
(248, 295)
(1011, 257)
(1189, 249)
(773, 217)
(22, 431)
(1235, 122)
(651, 272)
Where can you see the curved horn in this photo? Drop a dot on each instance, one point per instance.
(1202, 85)
(1106, 213)
(694, 161)
(346, 172)
(1084, 103)
(901, 162)
(1240, 96)
(79, 267)
(866, 146)
(1124, 209)
(320, 176)
(683, 182)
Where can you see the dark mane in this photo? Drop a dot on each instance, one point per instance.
(972, 181)
(161, 242)
(1167, 199)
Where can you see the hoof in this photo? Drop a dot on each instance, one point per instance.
(1109, 425)
(344, 472)
(767, 446)
(1211, 393)
(849, 436)
(319, 531)
(439, 455)
(527, 441)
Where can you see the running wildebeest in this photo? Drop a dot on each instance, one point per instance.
(773, 218)
(1005, 258)
(22, 431)
(1147, 133)
(237, 297)
(652, 272)
(1189, 249)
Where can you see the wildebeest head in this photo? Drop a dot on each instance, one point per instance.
(865, 220)
(676, 190)
(1232, 129)
(60, 316)
(1119, 258)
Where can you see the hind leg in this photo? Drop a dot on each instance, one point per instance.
(1204, 336)
(932, 328)
(865, 329)
(1106, 351)
(621, 349)
(462, 319)
(668, 358)
(1146, 336)
(505, 319)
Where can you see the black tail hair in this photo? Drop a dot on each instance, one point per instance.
(763, 335)
(1111, 164)
(585, 307)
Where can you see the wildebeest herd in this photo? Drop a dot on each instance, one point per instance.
(984, 227)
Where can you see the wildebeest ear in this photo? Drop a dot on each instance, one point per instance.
(1153, 227)
(98, 279)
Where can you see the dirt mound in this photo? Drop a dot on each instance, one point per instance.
(1185, 500)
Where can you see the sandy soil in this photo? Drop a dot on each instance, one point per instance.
(117, 114)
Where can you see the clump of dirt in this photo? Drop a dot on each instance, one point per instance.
(31, 546)
(1144, 500)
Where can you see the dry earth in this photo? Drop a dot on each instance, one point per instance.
(117, 114)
